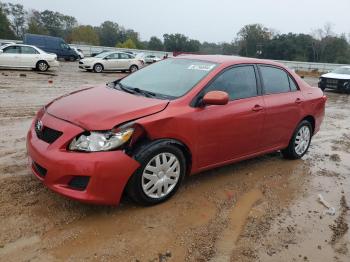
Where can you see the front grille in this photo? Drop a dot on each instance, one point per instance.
(79, 182)
(39, 169)
(332, 81)
(47, 134)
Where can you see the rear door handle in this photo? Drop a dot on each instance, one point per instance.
(298, 101)
(257, 108)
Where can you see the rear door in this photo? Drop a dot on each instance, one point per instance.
(124, 61)
(234, 130)
(11, 56)
(283, 101)
(111, 62)
(29, 56)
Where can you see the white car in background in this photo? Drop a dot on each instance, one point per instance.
(149, 59)
(111, 61)
(79, 52)
(338, 79)
(26, 56)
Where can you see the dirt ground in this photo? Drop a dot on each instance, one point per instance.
(264, 209)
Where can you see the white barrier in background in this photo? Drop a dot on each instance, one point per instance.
(302, 66)
(89, 49)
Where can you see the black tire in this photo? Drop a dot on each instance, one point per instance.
(144, 156)
(290, 152)
(42, 66)
(98, 68)
(72, 58)
(133, 68)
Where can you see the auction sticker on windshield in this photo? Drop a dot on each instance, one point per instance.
(201, 67)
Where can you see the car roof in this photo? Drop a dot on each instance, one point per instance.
(227, 59)
(14, 44)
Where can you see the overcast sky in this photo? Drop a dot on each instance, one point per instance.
(205, 20)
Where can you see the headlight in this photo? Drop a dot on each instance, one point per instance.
(101, 141)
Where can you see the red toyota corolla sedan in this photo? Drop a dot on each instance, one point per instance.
(144, 133)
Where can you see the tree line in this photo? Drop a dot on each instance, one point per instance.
(254, 40)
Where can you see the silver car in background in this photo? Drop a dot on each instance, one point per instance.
(111, 61)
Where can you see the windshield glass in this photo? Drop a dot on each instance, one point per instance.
(103, 54)
(170, 77)
(342, 70)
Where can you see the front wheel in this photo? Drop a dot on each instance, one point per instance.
(300, 142)
(159, 177)
(42, 66)
(98, 68)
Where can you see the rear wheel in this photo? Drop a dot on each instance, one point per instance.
(159, 177)
(300, 142)
(133, 68)
(42, 66)
(98, 68)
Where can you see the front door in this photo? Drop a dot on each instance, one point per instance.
(234, 130)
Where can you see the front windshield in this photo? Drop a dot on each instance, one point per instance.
(102, 55)
(170, 77)
(342, 70)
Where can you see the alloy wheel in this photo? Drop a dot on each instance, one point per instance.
(42, 66)
(302, 140)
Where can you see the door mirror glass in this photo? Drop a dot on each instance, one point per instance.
(215, 98)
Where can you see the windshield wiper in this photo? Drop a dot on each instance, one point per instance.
(135, 90)
(143, 92)
(124, 88)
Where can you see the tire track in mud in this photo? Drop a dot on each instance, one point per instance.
(236, 220)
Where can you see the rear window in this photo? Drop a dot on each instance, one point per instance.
(275, 80)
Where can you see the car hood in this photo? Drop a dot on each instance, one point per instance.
(336, 76)
(91, 59)
(102, 108)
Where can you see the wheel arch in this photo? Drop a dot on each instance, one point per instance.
(312, 121)
(134, 65)
(145, 144)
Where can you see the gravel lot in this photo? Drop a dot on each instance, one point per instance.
(265, 209)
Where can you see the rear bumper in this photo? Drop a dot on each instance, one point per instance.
(108, 172)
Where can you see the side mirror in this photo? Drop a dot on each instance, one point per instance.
(215, 98)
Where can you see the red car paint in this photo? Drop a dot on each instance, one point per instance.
(214, 135)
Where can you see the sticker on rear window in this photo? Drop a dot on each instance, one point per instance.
(201, 67)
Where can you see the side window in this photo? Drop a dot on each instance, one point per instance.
(28, 50)
(113, 56)
(12, 50)
(292, 84)
(123, 56)
(238, 82)
(275, 80)
(64, 46)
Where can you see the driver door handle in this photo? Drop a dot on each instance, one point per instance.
(257, 108)
(298, 101)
